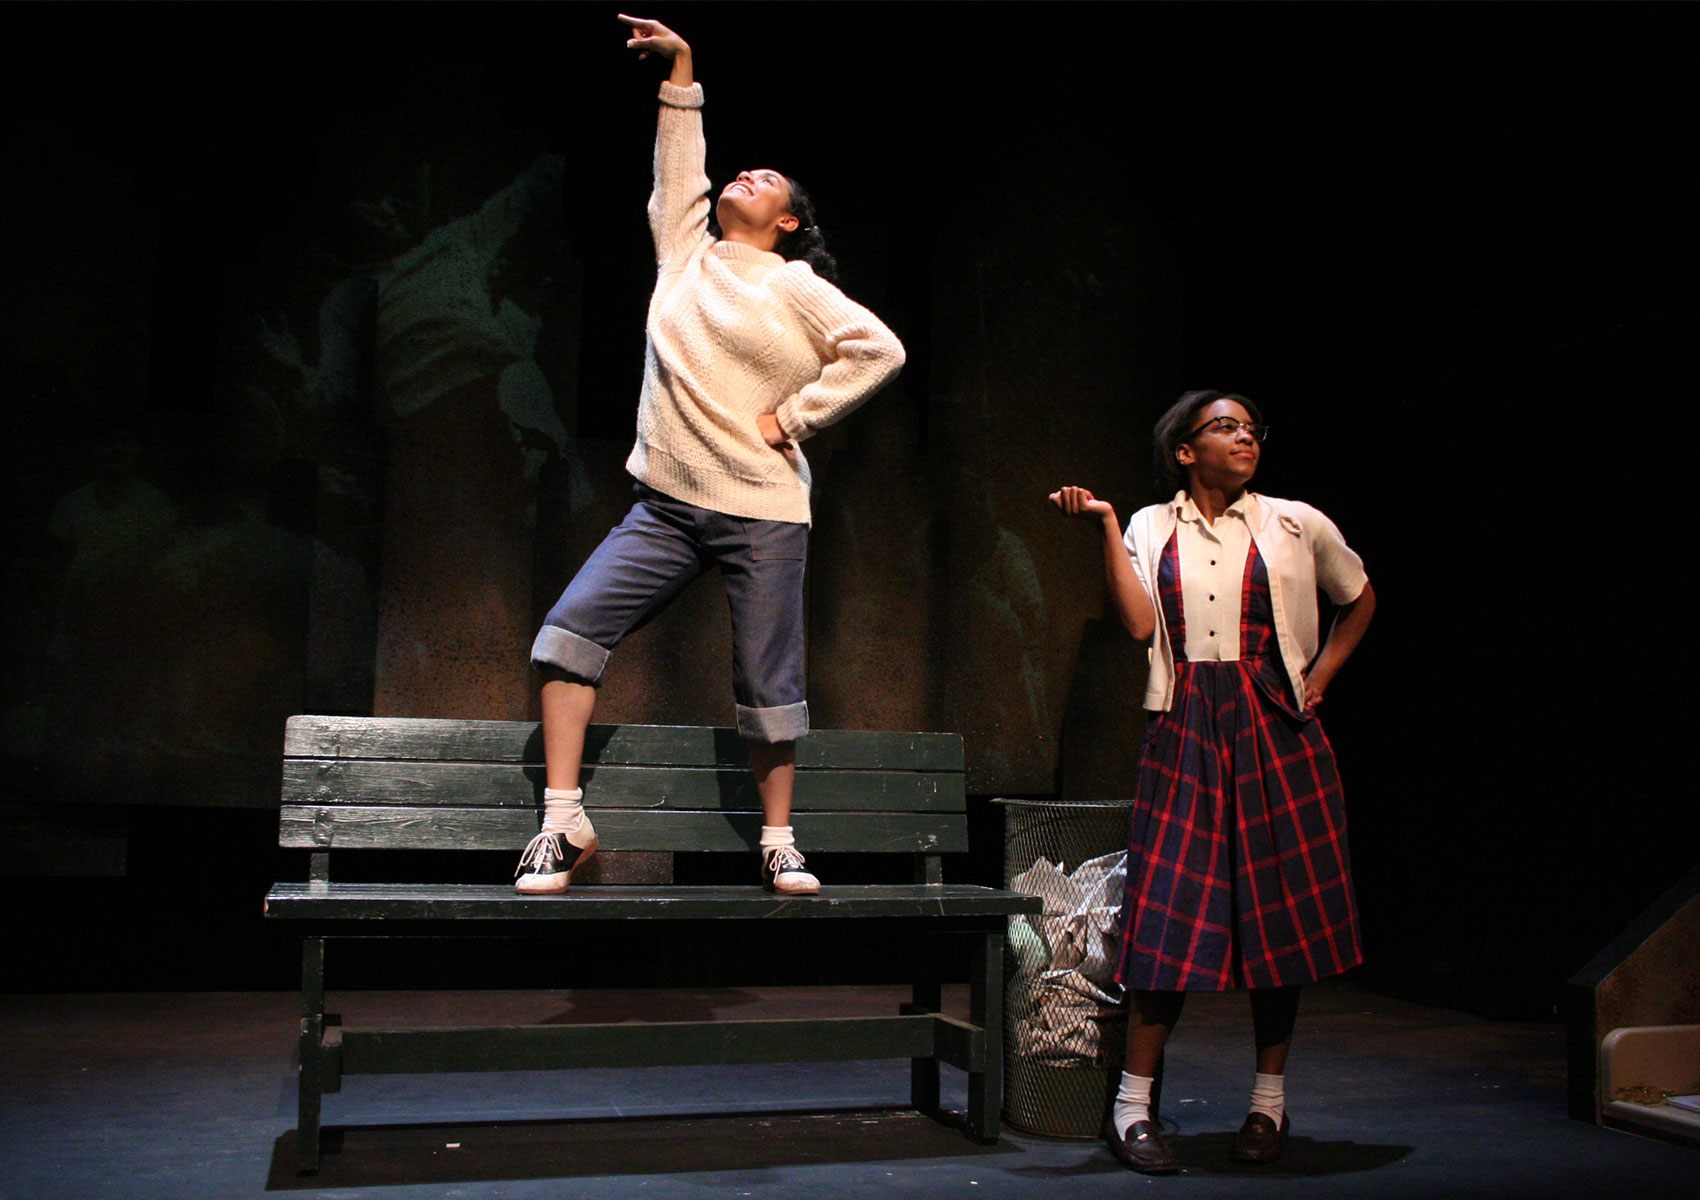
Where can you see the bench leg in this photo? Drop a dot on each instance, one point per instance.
(985, 1000)
(926, 996)
(307, 1122)
(310, 1083)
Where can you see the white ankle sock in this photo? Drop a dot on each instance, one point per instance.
(1269, 1096)
(776, 835)
(563, 810)
(1133, 1102)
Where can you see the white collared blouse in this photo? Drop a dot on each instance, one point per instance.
(1302, 550)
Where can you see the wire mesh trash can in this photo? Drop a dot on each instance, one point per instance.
(1064, 1022)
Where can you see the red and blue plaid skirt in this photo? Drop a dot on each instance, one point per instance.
(1237, 868)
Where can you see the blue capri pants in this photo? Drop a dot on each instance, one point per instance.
(648, 558)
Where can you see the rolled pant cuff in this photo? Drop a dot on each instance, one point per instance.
(566, 650)
(782, 723)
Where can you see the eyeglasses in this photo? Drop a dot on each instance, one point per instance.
(1231, 427)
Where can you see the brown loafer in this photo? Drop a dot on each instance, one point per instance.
(1143, 1149)
(1258, 1141)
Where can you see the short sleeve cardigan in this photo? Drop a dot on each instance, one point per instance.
(1303, 552)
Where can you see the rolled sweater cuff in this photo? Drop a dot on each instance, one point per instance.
(790, 422)
(681, 97)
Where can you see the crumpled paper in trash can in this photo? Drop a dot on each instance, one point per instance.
(1064, 960)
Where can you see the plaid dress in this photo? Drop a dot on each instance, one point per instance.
(1237, 871)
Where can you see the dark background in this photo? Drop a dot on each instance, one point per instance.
(1448, 249)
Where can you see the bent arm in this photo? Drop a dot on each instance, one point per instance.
(679, 203)
(861, 356)
(1349, 627)
(1127, 593)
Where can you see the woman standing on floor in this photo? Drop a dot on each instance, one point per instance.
(749, 352)
(1237, 869)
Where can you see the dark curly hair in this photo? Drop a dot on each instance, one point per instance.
(805, 241)
(1174, 426)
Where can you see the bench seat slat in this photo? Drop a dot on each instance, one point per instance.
(363, 827)
(462, 901)
(334, 781)
(668, 745)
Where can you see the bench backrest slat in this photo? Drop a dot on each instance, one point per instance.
(650, 745)
(371, 782)
(409, 783)
(351, 827)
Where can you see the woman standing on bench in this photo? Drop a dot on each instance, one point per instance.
(1237, 872)
(749, 352)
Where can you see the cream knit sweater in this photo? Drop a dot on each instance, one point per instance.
(735, 332)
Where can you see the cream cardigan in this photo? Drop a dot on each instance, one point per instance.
(1302, 550)
(736, 332)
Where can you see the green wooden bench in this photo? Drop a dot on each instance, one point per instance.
(412, 784)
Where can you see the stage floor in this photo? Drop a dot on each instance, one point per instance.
(191, 1096)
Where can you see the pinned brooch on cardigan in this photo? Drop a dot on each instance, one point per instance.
(1291, 526)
